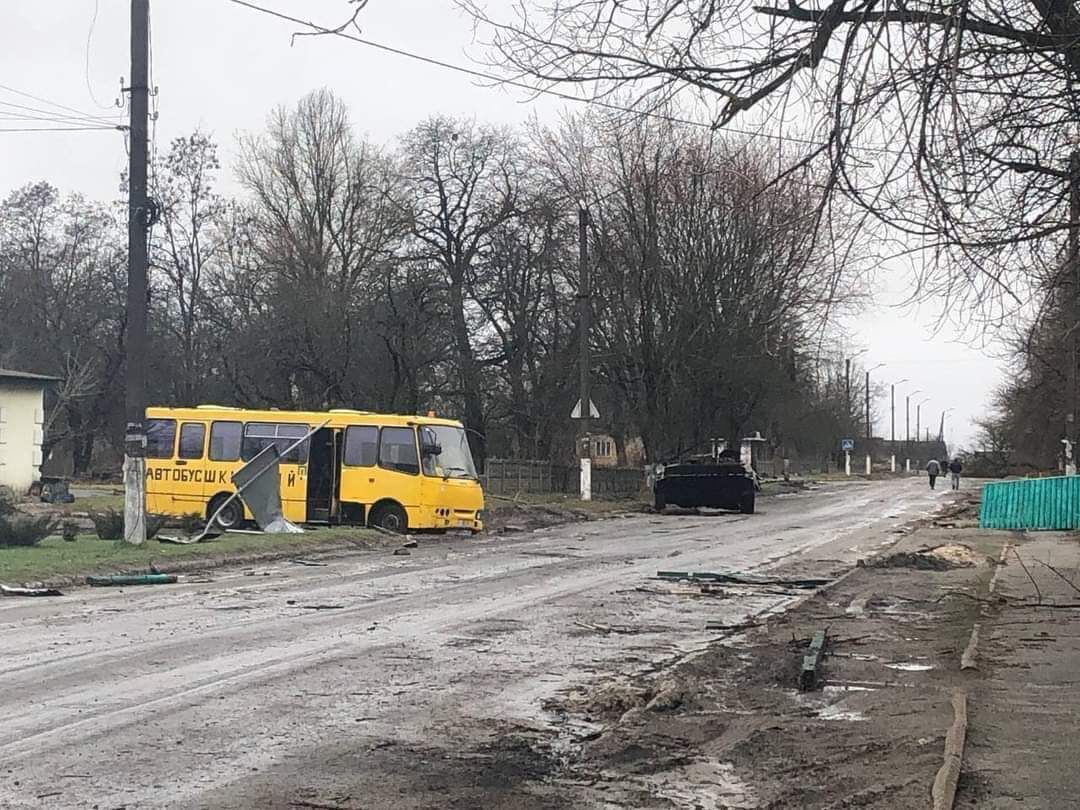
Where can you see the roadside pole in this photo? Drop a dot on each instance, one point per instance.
(139, 215)
(585, 359)
(1073, 324)
(847, 463)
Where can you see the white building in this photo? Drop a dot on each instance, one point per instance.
(22, 417)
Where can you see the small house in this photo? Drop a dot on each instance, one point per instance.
(22, 419)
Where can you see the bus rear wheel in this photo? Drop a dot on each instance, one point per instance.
(231, 516)
(389, 516)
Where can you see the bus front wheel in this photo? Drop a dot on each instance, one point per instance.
(231, 516)
(389, 516)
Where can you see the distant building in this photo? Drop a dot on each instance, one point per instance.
(605, 454)
(22, 418)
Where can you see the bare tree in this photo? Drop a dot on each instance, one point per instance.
(948, 123)
(324, 228)
(461, 185)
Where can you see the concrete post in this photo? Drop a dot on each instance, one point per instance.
(847, 463)
(892, 463)
(907, 465)
(586, 479)
(869, 468)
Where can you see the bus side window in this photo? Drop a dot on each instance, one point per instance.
(225, 441)
(160, 438)
(361, 446)
(192, 438)
(397, 450)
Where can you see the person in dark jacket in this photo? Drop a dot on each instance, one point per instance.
(933, 470)
(956, 468)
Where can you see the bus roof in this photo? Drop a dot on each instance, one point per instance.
(338, 417)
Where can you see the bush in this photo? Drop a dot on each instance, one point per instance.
(7, 501)
(24, 530)
(109, 524)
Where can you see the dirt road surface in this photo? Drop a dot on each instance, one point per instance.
(387, 681)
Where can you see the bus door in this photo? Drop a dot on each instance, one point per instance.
(359, 472)
(323, 470)
(189, 469)
(160, 450)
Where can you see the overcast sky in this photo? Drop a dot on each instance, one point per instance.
(221, 68)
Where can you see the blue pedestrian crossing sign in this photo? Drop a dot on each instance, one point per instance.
(847, 445)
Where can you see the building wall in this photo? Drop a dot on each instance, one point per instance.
(21, 417)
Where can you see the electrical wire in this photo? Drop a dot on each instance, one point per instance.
(78, 113)
(540, 90)
(89, 37)
(50, 115)
(59, 129)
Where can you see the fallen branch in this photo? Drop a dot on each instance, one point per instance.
(944, 789)
(1064, 578)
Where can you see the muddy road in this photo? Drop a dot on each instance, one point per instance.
(387, 681)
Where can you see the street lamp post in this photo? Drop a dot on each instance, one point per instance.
(869, 425)
(892, 408)
(907, 417)
(918, 419)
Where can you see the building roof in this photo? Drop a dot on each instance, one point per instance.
(9, 374)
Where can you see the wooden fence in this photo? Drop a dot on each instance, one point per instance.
(510, 476)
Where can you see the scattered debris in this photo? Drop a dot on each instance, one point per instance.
(322, 607)
(410, 544)
(120, 580)
(8, 590)
(401, 552)
(936, 558)
(808, 677)
(743, 579)
(310, 563)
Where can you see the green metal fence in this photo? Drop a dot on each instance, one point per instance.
(1033, 503)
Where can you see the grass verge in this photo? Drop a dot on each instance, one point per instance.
(57, 562)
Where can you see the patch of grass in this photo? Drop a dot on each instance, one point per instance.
(97, 503)
(53, 559)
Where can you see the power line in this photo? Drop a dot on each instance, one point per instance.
(60, 129)
(79, 113)
(89, 37)
(540, 90)
(51, 115)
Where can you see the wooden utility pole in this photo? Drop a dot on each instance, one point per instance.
(139, 219)
(1073, 320)
(585, 358)
(869, 428)
(847, 392)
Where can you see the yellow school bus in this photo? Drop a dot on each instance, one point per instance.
(396, 472)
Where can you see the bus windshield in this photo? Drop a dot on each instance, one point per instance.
(454, 459)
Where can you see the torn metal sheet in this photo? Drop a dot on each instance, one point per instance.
(258, 483)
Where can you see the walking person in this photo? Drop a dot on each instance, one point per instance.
(933, 470)
(956, 468)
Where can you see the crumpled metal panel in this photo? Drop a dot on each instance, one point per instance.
(259, 485)
(1032, 504)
